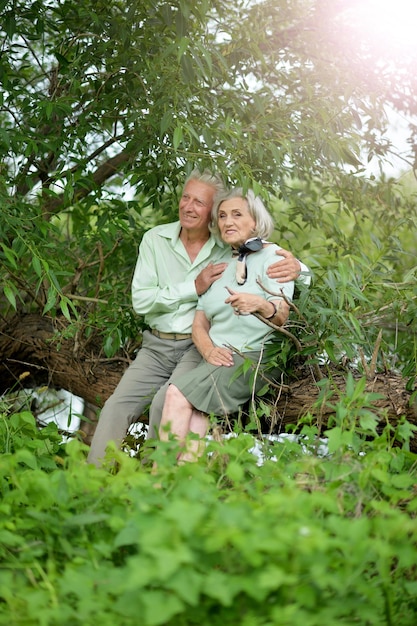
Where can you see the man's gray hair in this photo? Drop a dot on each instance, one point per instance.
(207, 177)
(263, 220)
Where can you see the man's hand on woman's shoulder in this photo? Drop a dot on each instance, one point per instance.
(285, 269)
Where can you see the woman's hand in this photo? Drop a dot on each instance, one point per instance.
(210, 353)
(247, 303)
(219, 356)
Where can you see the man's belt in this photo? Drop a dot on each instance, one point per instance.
(172, 336)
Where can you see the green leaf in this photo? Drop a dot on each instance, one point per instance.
(166, 121)
(235, 471)
(64, 302)
(62, 60)
(218, 587)
(184, 43)
(109, 346)
(10, 255)
(160, 607)
(85, 519)
(51, 300)
(36, 264)
(10, 295)
(177, 137)
(403, 481)
(380, 475)
(9, 24)
(368, 421)
(187, 68)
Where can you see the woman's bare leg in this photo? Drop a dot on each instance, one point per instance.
(199, 425)
(180, 418)
(176, 415)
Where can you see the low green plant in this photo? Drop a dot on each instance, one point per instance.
(300, 539)
(20, 434)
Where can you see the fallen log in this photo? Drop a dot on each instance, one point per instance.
(35, 351)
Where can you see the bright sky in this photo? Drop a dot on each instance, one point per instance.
(387, 29)
(391, 25)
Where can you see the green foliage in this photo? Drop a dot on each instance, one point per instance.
(100, 98)
(21, 438)
(299, 540)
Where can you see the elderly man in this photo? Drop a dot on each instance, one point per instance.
(177, 263)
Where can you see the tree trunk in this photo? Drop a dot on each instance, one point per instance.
(34, 353)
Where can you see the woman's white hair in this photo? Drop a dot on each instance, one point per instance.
(264, 224)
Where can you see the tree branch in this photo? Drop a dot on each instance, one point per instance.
(105, 171)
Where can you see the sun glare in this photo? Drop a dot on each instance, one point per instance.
(391, 25)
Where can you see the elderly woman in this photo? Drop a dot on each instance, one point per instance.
(223, 318)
